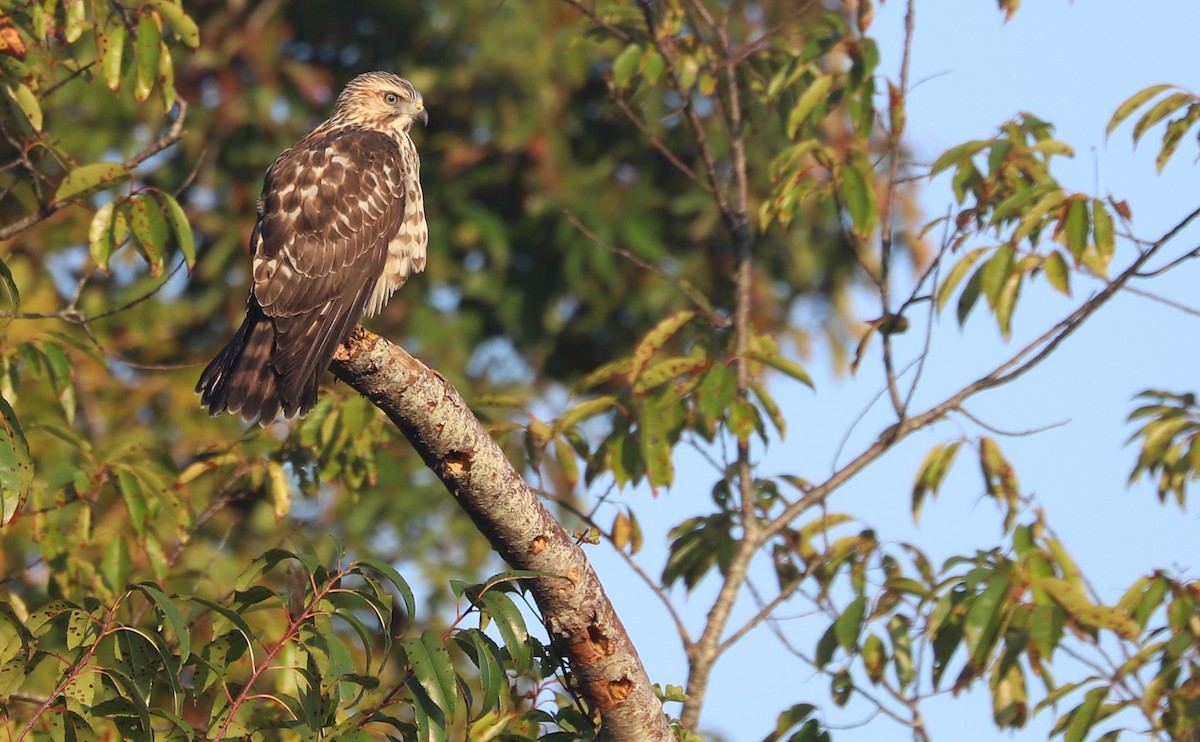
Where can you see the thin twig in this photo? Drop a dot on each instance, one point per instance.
(657, 143)
(694, 296)
(173, 134)
(1009, 433)
(1018, 364)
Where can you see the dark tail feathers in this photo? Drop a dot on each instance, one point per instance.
(241, 379)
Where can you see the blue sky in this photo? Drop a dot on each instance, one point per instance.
(1070, 64)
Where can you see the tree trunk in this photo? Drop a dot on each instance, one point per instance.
(576, 611)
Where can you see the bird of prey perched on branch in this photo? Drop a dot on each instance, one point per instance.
(341, 225)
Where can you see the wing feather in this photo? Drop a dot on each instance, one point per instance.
(321, 244)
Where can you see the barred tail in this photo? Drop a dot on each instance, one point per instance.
(241, 379)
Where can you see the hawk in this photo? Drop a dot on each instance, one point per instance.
(341, 226)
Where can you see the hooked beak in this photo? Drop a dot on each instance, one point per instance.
(422, 116)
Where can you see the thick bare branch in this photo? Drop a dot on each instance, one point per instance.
(578, 614)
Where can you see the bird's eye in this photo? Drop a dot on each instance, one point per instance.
(390, 98)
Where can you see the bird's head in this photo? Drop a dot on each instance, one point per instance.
(381, 100)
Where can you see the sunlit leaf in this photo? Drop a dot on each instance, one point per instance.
(150, 228)
(1131, 104)
(114, 53)
(147, 46)
(181, 23)
(431, 666)
(25, 104)
(815, 94)
(849, 624)
(89, 178)
(16, 464)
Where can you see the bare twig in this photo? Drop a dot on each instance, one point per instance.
(887, 229)
(695, 297)
(1009, 433)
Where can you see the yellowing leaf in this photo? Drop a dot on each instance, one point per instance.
(656, 338)
(26, 104)
(181, 23)
(1057, 272)
(114, 52)
(808, 101)
(625, 65)
(1161, 110)
(16, 463)
(147, 46)
(149, 228)
(1131, 104)
(100, 235)
(181, 227)
(91, 177)
(280, 489)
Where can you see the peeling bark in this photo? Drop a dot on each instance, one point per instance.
(577, 612)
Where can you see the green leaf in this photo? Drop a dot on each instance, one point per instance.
(1034, 218)
(931, 473)
(995, 272)
(431, 666)
(166, 76)
(150, 229)
(654, 340)
(902, 658)
(511, 626)
(233, 618)
(771, 407)
(181, 23)
(858, 194)
(1083, 611)
(486, 656)
(655, 446)
(956, 274)
(10, 285)
(16, 464)
(625, 65)
(583, 411)
(958, 154)
(1103, 231)
(25, 104)
(814, 95)
(389, 573)
(1076, 226)
(75, 15)
(59, 366)
(874, 657)
(983, 620)
(1057, 272)
(1084, 715)
(138, 700)
(826, 646)
(1007, 301)
(115, 565)
(114, 52)
(1131, 104)
(100, 235)
(171, 615)
(780, 363)
(1174, 135)
(840, 687)
(147, 46)
(83, 180)
(1159, 111)
(662, 372)
(849, 624)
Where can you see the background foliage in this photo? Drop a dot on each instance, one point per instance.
(168, 572)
